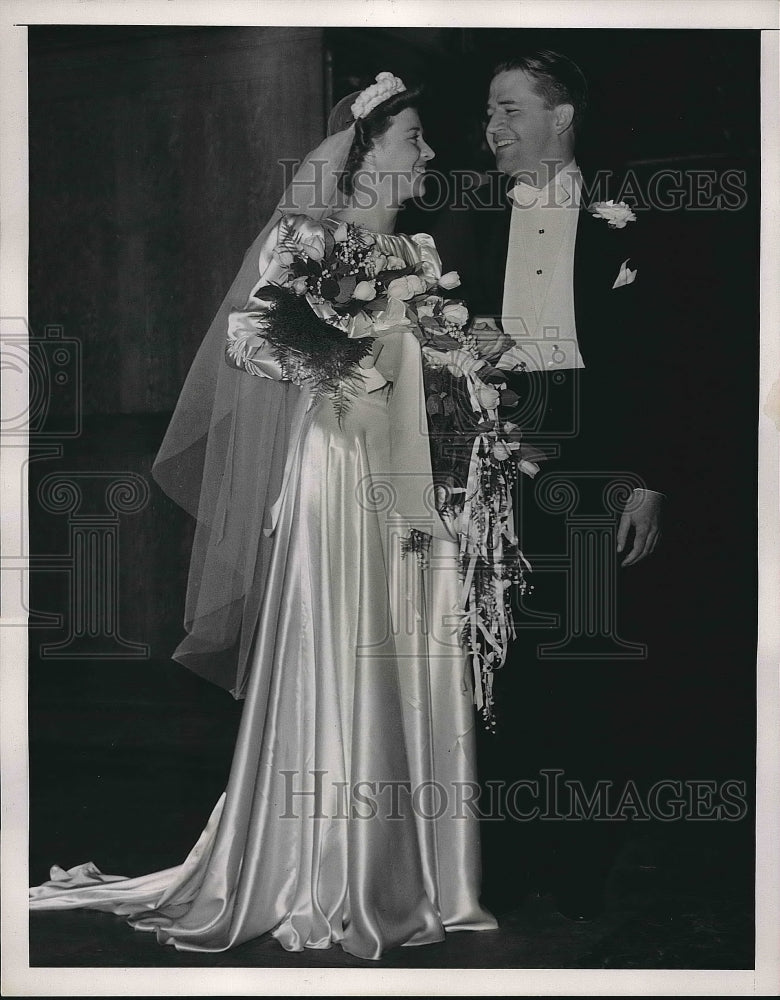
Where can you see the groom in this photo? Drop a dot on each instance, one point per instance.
(567, 277)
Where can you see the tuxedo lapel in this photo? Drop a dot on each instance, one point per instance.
(589, 278)
(492, 243)
(599, 252)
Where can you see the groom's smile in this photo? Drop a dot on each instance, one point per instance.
(523, 128)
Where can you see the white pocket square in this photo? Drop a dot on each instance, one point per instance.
(625, 275)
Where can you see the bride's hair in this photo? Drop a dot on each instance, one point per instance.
(368, 130)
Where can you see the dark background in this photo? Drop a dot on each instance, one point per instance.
(153, 164)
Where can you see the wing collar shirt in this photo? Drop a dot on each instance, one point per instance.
(538, 306)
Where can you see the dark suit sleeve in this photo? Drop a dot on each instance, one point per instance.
(455, 234)
(471, 240)
(671, 392)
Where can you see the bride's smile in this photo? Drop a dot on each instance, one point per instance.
(397, 164)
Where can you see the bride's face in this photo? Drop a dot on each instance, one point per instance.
(398, 158)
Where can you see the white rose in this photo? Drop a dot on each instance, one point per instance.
(340, 232)
(405, 288)
(487, 397)
(395, 263)
(309, 238)
(299, 286)
(617, 215)
(529, 468)
(399, 288)
(314, 247)
(456, 312)
(378, 261)
(491, 341)
(449, 280)
(365, 291)
(503, 449)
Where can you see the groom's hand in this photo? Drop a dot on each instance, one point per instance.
(643, 514)
(491, 341)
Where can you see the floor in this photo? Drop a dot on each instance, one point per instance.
(125, 779)
(668, 915)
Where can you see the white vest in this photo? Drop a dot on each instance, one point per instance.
(538, 306)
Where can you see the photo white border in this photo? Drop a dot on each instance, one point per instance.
(17, 978)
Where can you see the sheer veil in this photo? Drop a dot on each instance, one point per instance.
(224, 452)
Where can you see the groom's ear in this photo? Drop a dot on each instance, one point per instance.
(564, 116)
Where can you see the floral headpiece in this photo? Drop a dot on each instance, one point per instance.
(386, 85)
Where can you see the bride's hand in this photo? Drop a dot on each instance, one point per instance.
(449, 518)
(450, 522)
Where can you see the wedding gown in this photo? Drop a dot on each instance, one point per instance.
(346, 817)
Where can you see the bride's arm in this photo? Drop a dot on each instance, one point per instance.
(246, 348)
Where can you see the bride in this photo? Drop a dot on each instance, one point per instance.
(323, 574)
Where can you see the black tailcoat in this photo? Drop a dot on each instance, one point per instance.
(668, 394)
(622, 412)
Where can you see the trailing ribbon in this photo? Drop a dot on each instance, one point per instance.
(487, 569)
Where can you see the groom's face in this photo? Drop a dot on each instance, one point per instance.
(521, 128)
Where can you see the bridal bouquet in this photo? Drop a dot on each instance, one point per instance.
(339, 290)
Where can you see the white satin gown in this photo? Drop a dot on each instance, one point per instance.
(348, 816)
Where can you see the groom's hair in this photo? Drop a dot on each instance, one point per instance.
(557, 79)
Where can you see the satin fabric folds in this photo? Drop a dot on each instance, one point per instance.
(346, 818)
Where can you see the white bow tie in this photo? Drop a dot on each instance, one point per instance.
(525, 195)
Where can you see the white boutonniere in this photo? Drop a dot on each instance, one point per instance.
(617, 215)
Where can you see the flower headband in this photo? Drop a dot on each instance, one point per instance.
(386, 85)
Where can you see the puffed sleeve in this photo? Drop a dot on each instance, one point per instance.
(429, 256)
(247, 348)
